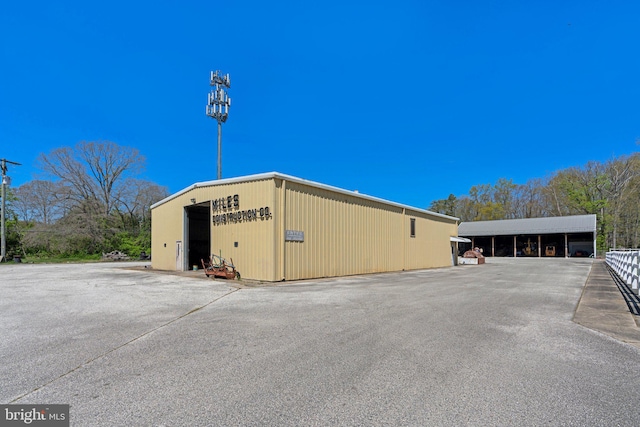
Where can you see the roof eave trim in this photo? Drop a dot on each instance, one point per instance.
(277, 175)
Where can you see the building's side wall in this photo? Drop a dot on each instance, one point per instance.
(345, 235)
(431, 246)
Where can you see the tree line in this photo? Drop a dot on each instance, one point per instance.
(89, 200)
(610, 190)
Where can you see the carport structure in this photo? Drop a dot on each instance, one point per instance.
(565, 236)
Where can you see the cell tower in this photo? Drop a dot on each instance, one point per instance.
(218, 107)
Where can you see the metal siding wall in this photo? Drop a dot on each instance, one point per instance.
(254, 256)
(431, 247)
(344, 234)
(166, 228)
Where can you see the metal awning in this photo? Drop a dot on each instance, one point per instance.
(548, 225)
(459, 239)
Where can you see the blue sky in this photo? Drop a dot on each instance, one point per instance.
(407, 100)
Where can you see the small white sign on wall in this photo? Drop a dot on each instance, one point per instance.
(293, 236)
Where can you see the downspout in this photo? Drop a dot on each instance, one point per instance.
(281, 238)
(404, 240)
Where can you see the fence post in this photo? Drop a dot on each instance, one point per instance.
(627, 267)
(626, 264)
(635, 271)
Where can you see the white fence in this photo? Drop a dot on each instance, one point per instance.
(626, 264)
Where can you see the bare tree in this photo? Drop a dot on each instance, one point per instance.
(134, 202)
(41, 201)
(620, 173)
(83, 229)
(528, 200)
(94, 171)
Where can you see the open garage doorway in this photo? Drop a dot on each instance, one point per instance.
(552, 245)
(484, 244)
(503, 246)
(580, 245)
(199, 234)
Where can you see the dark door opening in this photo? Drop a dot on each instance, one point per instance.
(580, 245)
(199, 234)
(484, 244)
(504, 246)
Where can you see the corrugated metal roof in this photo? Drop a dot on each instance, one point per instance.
(278, 175)
(510, 227)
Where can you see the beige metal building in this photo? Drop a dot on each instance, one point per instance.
(278, 227)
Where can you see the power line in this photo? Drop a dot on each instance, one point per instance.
(5, 181)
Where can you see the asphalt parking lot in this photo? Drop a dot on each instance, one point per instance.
(470, 345)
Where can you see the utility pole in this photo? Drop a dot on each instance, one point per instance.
(218, 107)
(3, 232)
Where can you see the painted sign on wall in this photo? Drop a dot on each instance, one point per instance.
(226, 210)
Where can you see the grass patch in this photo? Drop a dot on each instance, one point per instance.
(35, 259)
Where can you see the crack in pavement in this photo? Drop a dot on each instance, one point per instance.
(100, 356)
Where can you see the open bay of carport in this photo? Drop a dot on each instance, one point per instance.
(486, 345)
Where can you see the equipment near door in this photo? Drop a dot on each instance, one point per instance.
(530, 249)
(218, 267)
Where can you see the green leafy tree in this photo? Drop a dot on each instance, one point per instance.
(446, 206)
(490, 211)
